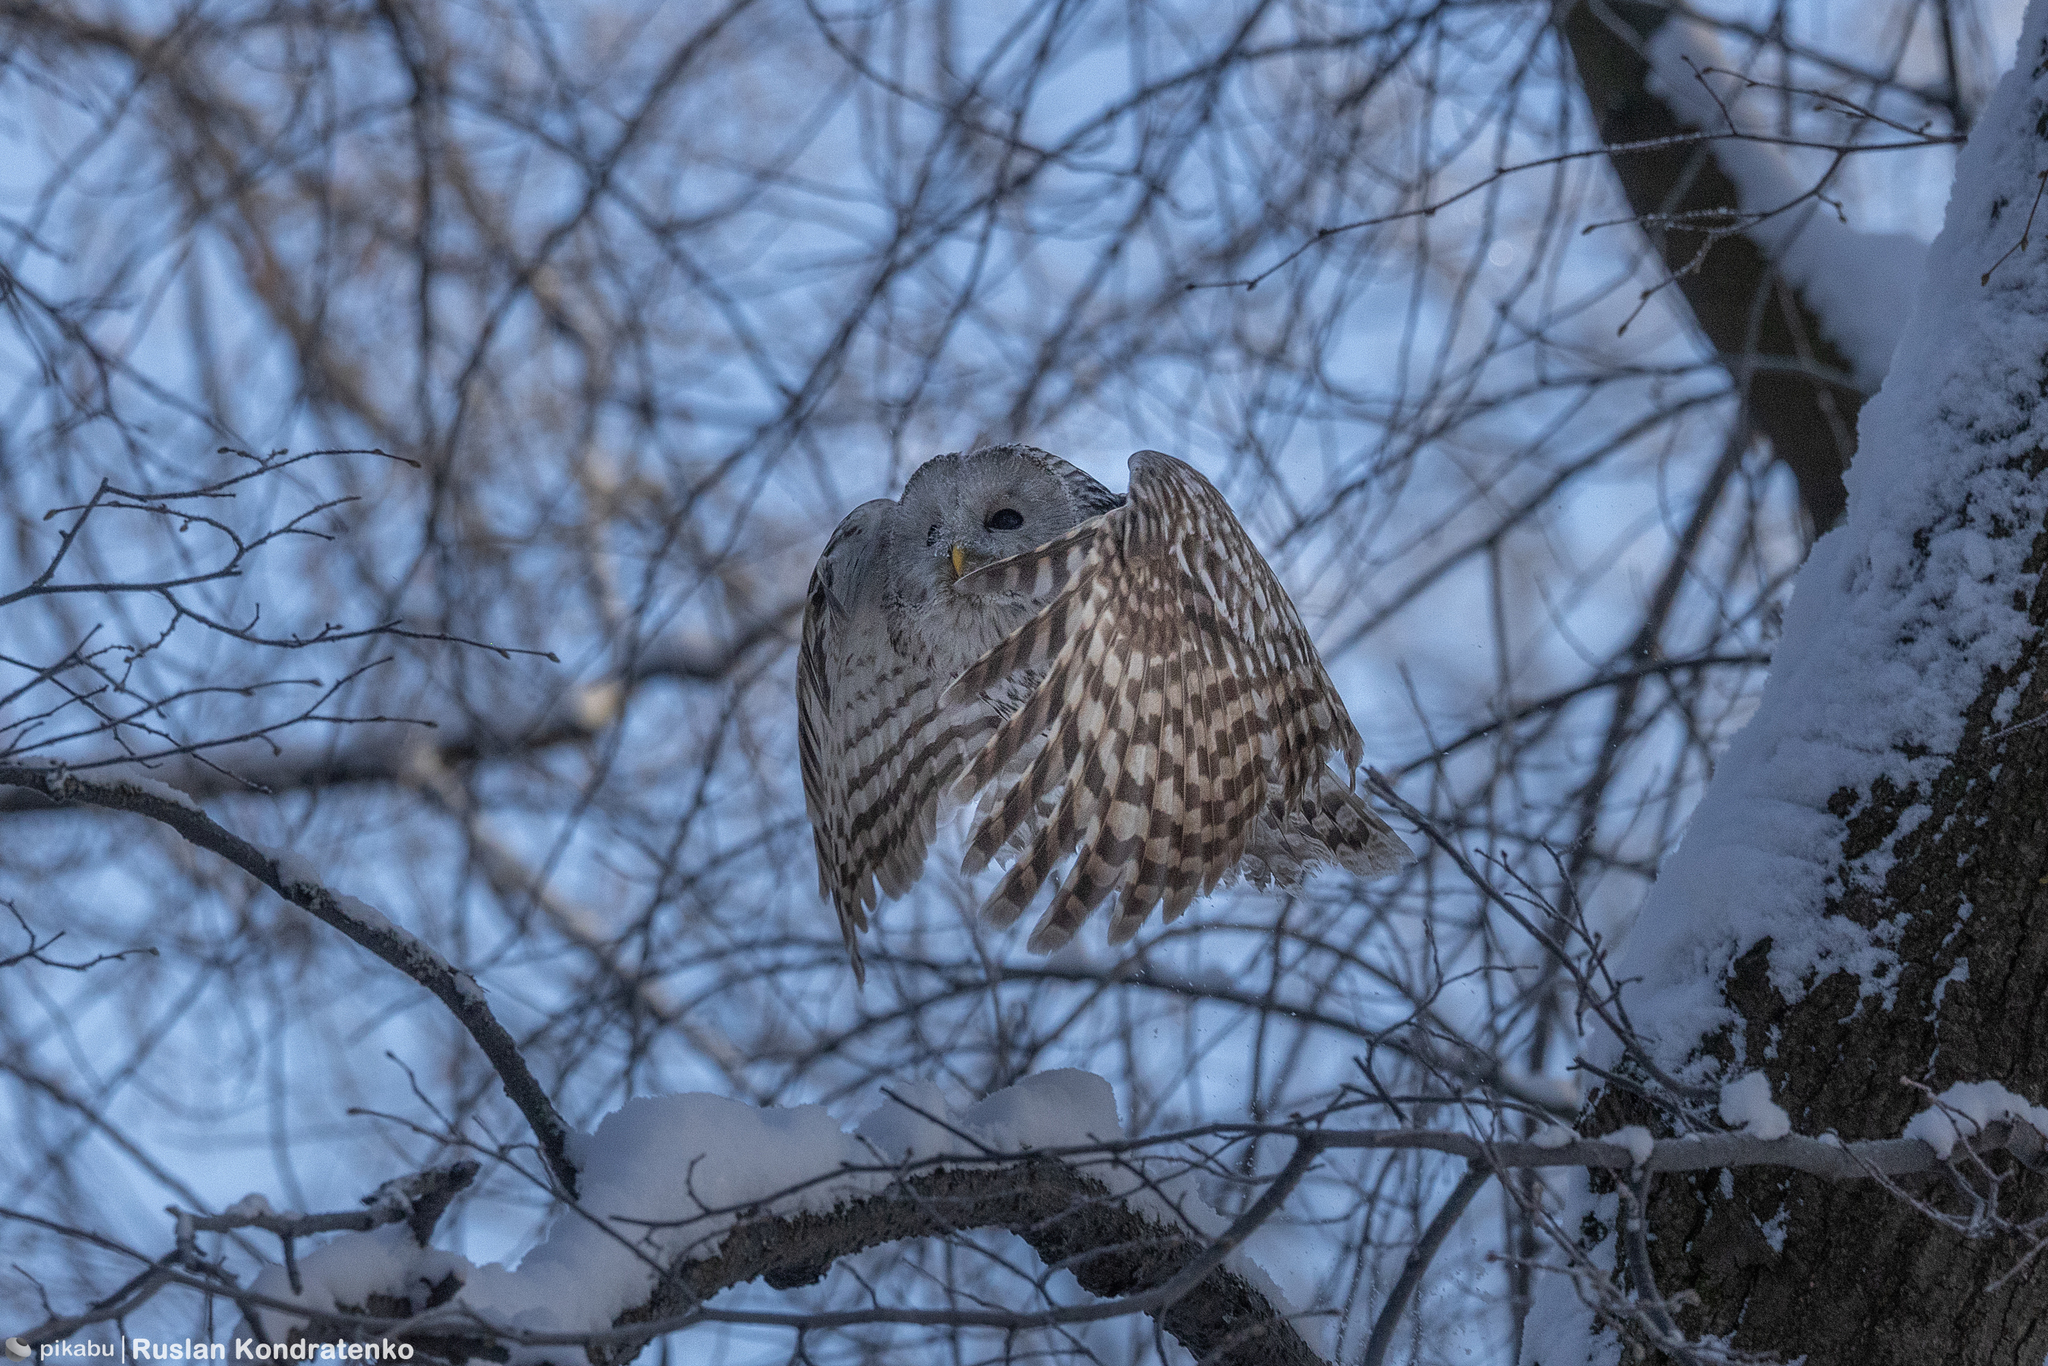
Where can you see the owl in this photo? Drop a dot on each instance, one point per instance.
(1119, 681)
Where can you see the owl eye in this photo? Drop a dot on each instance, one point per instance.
(931, 535)
(1005, 519)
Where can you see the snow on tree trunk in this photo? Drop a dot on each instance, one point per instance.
(1861, 900)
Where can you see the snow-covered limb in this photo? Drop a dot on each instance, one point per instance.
(1835, 268)
(416, 1201)
(368, 927)
(1967, 1109)
(1994, 1204)
(1772, 284)
(1631, 1149)
(686, 1196)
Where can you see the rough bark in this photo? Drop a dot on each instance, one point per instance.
(1861, 1277)
(1747, 311)
(1864, 1279)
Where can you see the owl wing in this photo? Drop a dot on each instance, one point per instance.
(1182, 703)
(877, 745)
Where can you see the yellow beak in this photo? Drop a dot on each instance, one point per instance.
(959, 561)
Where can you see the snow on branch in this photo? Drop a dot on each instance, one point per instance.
(417, 1201)
(687, 1196)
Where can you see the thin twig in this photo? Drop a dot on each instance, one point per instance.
(1419, 1258)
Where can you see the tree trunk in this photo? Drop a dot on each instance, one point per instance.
(1892, 726)
(1747, 310)
(1861, 1277)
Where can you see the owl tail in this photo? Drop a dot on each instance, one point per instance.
(1331, 824)
(851, 923)
(1357, 838)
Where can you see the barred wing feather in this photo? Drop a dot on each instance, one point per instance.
(1182, 711)
(877, 747)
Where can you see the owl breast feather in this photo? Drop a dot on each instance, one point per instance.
(951, 629)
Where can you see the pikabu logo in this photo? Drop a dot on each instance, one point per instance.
(48, 1351)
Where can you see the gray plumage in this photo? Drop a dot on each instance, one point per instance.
(1122, 680)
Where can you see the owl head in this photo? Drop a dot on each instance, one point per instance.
(962, 511)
